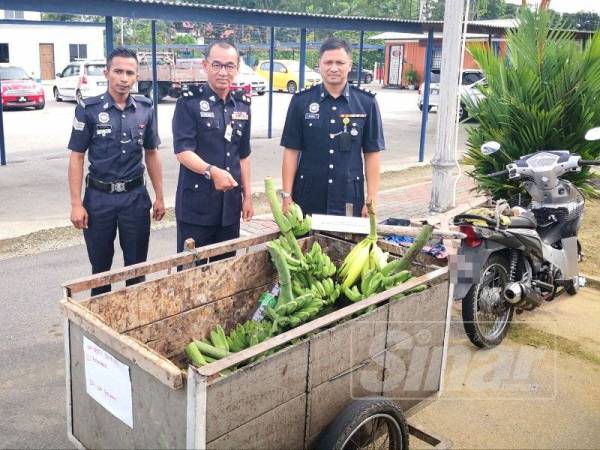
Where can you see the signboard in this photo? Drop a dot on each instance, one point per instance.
(342, 224)
(107, 381)
(396, 56)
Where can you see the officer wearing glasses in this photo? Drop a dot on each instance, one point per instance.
(211, 139)
(328, 131)
(118, 132)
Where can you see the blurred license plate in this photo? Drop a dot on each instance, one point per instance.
(435, 92)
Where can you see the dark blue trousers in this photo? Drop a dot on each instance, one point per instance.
(128, 212)
(205, 235)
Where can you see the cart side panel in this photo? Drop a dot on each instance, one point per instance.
(338, 349)
(413, 366)
(328, 399)
(138, 305)
(254, 390)
(159, 412)
(407, 314)
(279, 428)
(170, 336)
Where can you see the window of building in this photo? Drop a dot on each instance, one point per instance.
(77, 51)
(10, 14)
(4, 53)
(436, 58)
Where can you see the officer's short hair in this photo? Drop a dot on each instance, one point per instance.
(223, 43)
(333, 43)
(120, 52)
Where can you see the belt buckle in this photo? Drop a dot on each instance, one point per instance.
(119, 186)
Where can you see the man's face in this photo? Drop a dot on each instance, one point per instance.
(221, 67)
(121, 75)
(334, 66)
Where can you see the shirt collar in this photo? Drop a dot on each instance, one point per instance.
(110, 103)
(323, 94)
(211, 94)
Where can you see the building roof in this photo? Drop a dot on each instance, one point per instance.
(391, 35)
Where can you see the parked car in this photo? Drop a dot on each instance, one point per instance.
(80, 79)
(286, 75)
(471, 81)
(19, 90)
(365, 77)
(249, 81)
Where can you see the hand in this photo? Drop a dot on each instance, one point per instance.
(364, 212)
(158, 209)
(222, 179)
(79, 217)
(285, 204)
(247, 209)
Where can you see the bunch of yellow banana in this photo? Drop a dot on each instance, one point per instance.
(300, 224)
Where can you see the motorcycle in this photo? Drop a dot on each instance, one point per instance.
(514, 259)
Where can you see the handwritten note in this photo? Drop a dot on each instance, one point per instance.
(342, 224)
(107, 381)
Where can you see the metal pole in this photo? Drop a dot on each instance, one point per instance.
(108, 24)
(154, 72)
(426, 90)
(2, 147)
(444, 160)
(360, 55)
(302, 57)
(271, 58)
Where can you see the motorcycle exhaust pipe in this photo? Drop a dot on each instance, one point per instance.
(513, 293)
(521, 293)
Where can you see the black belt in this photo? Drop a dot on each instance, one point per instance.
(112, 187)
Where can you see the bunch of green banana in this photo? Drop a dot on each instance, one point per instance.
(327, 290)
(248, 334)
(319, 264)
(373, 282)
(300, 224)
(295, 312)
(204, 352)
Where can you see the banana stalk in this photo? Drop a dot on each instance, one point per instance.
(404, 263)
(283, 270)
(282, 222)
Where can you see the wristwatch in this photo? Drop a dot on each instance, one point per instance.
(284, 194)
(206, 173)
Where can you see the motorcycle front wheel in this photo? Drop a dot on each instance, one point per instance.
(486, 315)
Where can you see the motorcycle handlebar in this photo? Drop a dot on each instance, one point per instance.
(583, 162)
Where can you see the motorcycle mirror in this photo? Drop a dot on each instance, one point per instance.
(593, 134)
(490, 148)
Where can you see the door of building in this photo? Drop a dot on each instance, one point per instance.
(396, 57)
(47, 62)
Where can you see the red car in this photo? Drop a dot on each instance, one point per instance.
(19, 90)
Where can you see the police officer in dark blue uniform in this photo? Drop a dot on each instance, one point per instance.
(328, 129)
(211, 138)
(117, 130)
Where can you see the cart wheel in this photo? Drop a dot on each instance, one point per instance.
(376, 423)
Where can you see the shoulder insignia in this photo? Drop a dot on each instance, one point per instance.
(242, 96)
(363, 90)
(308, 89)
(91, 101)
(192, 91)
(142, 99)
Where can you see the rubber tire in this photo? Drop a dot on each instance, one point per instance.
(41, 106)
(261, 93)
(469, 309)
(428, 108)
(462, 114)
(78, 96)
(368, 79)
(353, 415)
(291, 87)
(57, 96)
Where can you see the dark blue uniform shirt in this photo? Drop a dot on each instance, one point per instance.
(218, 132)
(114, 138)
(332, 134)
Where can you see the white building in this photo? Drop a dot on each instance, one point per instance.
(44, 48)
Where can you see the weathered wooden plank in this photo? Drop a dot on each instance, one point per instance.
(159, 413)
(386, 230)
(328, 399)
(236, 358)
(145, 268)
(279, 428)
(148, 360)
(342, 347)
(416, 311)
(169, 336)
(412, 366)
(138, 305)
(252, 391)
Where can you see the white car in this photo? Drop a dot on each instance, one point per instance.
(80, 79)
(472, 80)
(248, 77)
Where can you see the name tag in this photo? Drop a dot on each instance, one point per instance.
(311, 116)
(103, 129)
(358, 116)
(207, 114)
(239, 115)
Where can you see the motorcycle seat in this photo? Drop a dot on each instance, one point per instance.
(525, 220)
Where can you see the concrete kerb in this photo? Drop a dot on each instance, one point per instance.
(591, 281)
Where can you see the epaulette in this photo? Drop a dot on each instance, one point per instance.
(308, 89)
(242, 96)
(142, 99)
(192, 91)
(84, 103)
(362, 89)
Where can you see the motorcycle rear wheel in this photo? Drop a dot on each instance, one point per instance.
(485, 326)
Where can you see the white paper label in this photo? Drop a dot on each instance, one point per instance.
(107, 381)
(342, 224)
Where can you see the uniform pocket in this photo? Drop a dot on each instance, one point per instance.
(210, 124)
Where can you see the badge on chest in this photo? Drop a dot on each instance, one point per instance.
(239, 115)
(103, 129)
